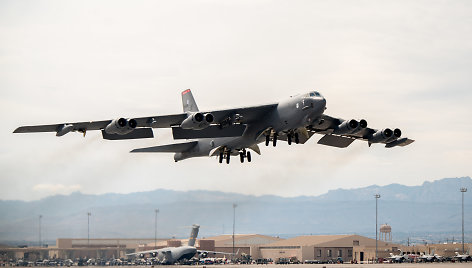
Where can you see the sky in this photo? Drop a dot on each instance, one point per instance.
(404, 64)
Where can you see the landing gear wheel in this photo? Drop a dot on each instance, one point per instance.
(297, 139)
(274, 142)
(267, 140)
(248, 155)
(241, 156)
(221, 157)
(289, 139)
(227, 157)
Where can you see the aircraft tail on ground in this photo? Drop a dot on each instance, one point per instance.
(188, 102)
(193, 235)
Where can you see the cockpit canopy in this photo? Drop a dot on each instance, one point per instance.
(315, 94)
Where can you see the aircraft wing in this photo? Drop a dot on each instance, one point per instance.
(206, 252)
(227, 118)
(341, 133)
(143, 252)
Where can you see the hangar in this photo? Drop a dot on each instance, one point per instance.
(328, 247)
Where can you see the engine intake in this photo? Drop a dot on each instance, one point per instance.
(381, 136)
(121, 126)
(346, 127)
(197, 121)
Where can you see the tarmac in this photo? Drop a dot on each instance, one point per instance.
(389, 265)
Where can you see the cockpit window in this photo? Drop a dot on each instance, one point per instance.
(314, 93)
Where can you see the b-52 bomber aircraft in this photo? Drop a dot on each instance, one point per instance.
(232, 132)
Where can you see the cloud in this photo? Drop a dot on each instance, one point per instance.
(52, 189)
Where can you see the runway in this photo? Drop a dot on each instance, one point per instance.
(380, 265)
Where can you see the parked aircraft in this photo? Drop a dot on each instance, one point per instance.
(430, 257)
(171, 255)
(462, 257)
(399, 258)
(232, 132)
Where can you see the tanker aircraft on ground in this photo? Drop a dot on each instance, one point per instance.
(232, 132)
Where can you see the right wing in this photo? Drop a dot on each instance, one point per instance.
(227, 118)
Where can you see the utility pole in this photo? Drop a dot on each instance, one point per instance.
(88, 229)
(377, 196)
(234, 222)
(155, 228)
(40, 217)
(463, 190)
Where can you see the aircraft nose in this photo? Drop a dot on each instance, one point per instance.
(322, 103)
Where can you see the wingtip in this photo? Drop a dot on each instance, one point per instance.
(17, 130)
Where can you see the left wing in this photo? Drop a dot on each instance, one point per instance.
(341, 133)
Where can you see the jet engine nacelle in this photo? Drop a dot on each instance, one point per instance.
(141, 255)
(197, 121)
(121, 126)
(382, 135)
(346, 127)
(154, 254)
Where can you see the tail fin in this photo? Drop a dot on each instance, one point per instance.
(193, 235)
(188, 102)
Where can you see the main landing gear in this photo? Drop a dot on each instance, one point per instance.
(246, 155)
(227, 155)
(291, 136)
(274, 139)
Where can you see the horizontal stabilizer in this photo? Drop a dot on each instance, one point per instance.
(209, 132)
(335, 141)
(169, 148)
(139, 133)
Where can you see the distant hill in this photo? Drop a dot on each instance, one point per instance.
(431, 210)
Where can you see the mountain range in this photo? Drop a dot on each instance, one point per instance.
(431, 211)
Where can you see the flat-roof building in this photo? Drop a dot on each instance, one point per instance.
(327, 247)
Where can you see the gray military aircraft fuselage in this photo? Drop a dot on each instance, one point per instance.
(288, 116)
(171, 255)
(228, 132)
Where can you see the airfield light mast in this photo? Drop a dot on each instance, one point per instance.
(40, 217)
(463, 190)
(377, 196)
(234, 222)
(88, 229)
(155, 228)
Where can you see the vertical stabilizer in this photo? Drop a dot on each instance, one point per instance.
(193, 235)
(188, 102)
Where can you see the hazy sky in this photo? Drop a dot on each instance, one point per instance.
(405, 64)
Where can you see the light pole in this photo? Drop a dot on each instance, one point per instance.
(40, 217)
(88, 229)
(234, 222)
(155, 228)
(463, 190)
(377, 196)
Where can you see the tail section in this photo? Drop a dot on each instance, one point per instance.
(193, 235)
(188, 102)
